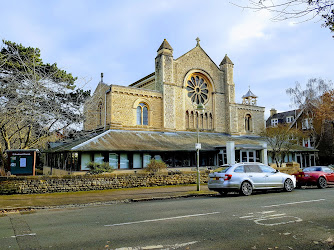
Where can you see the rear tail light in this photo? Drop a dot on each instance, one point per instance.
(227, 177)
(301, 174)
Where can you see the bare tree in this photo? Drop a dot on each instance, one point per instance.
(281, 140)
(37, 101)
(302, 10)
(313, 101)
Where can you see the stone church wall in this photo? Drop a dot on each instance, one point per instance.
(124, 101)
(257, 121)
(93, 118)
(196, 60)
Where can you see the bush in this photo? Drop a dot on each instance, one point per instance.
(155, 166)
(99, 168)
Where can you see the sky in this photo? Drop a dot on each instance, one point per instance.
(121, 38)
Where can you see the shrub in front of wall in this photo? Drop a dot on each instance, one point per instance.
(155, 166)
(99, 168)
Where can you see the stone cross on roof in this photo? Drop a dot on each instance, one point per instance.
(197, 39)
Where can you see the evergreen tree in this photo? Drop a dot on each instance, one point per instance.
(37, 100)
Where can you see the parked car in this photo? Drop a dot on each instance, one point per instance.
(316, 175)
(248, 176)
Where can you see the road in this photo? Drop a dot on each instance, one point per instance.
(302, 219)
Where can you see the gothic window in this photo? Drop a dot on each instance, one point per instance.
(248, 122)
(211, 122)
(142, 114)
(197, 88)
(99, 110)
(202, 122)
(206, 121)
(191, 120)
(187, 119)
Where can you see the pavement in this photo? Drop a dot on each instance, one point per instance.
(28, 202)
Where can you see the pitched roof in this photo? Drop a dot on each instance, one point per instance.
(127, 140)
(249, 94)
(226, 60)
(165, 45)
(141, 141)
(282, 116)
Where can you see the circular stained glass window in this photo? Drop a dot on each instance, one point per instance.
(197, 89)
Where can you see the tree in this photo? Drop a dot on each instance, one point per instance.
(281, 139)
(325, 117)
(325, 109)
(315, 102)
(37, 100)
(303, 10)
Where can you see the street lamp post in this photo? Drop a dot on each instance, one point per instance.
(199, 108)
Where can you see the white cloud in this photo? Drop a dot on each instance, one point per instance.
(251, 28)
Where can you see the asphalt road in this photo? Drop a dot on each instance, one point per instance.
(302, 219)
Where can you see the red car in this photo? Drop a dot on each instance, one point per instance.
(317, 175)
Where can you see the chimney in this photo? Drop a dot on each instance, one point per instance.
(273, 112)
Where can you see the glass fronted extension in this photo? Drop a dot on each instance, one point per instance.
(134, 149)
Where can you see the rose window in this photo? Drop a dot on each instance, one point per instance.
(197, 89)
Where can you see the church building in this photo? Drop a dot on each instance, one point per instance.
(162, 116)
(166, 99)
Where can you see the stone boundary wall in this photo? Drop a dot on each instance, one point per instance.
(49, 184)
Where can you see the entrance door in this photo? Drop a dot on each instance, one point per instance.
(247, 155)
(299, 160)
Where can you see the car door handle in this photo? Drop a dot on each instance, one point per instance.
(266, 175)
(250, 175)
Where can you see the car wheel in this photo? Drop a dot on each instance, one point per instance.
(322, 183)
(246, 188)
(288, 185)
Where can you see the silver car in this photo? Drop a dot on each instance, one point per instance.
(248, 176)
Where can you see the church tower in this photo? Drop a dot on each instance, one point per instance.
(164, 83)
(227, 67)
(229, 88)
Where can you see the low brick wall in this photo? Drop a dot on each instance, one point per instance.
(49, 184)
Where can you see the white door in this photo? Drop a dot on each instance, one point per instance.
(247, 155)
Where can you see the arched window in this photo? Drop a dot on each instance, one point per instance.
(248, 122)
(142, 114)
(211, 122)
(191, 120)
(201, 121)
(187, 119)
(99, 111)
(206, 121)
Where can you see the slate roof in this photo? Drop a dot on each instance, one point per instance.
(249, 94)
(282, 116)
(127, 140)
